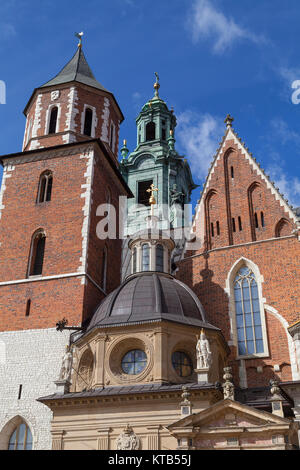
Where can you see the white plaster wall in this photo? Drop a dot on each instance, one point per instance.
(33, 359)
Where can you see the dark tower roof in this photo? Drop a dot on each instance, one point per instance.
(149, 297)
(78, 70)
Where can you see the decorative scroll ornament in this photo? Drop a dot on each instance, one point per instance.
(128, 440)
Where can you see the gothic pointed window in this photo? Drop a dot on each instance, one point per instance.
(53, 120)
(160, 258)
(150, 131)
(21, 438)
(146, 257)
(45, 187)
(88, 118)
(37, 252)
(248, 314)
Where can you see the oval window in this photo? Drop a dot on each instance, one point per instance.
(134, 362)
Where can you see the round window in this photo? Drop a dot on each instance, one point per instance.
(134, 362)
(182, 364)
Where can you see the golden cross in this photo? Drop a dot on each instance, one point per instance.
(152, 199)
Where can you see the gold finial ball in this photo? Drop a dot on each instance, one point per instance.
(156, 86)
(171, 132)
(125, 142)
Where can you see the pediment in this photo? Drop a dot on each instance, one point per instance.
(227, 413)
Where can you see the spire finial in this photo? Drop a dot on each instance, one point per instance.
(228, 121)
(156, 84)
(152, 200)
(79, 36)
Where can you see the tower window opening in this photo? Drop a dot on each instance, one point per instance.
(143, 196)
(262, 219)
(20, 392)
(233, 225)
(88, 118)
(159, 258)
(212, 229)
(232, 172)
(112, 135)
(45, 187)
(37, 254)
(28, 305)
(150, 131)
(218, 228)
(53, 120)
(256, 220)
(240, 224)
(145, 257)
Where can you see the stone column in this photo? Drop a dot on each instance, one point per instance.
(104, 439)
(99, 363)
(153, 437)
(57, 440)
(161, 356)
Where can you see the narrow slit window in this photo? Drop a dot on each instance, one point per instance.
(20, 392)
(88, 119)
(53, 120)
(256, 220)
(146, 257)
(212, 229)
(28, 305)
(218, 228)
(240, 224)
(232, 172)
(262, 219)
(233, 225)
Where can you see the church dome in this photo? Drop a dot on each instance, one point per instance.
(150, 297)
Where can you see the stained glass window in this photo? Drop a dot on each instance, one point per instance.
(134, 362)
(21, 438)
(248, 317)
(182, 364)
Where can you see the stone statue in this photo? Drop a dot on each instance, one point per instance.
(177, 197)
(204, 358)
(66, 367)
(128, 440)
(228, 387)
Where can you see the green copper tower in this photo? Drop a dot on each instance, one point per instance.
(155, 161)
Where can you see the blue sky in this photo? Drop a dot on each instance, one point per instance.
(213, 56)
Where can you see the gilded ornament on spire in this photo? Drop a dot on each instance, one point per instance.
(79, 36)
(152, 200)
(156, 84)
(228, 121)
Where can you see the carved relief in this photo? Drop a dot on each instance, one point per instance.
(85, 371)
(128, 440)
(54, 95)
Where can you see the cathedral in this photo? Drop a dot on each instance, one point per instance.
(125, 324)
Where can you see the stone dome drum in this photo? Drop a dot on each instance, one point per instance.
(150, 297)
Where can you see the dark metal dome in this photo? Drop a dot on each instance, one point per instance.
(148, 297)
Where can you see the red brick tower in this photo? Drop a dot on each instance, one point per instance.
(52, 263)
(247, 273)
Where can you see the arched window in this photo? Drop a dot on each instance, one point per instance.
(262, 219)
(45, 187)
(160, 258)
(104, 269)
(248, 315)
(145, 257)
(37, 251)
(21, 438)
(134, 268)
(88, 118)
(53, 120)
(150, 131)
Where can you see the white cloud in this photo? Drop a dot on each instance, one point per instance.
(198, 137)
(205, 21)
(282, 132)
(288, 186)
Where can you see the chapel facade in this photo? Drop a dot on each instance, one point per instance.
(164, 342)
